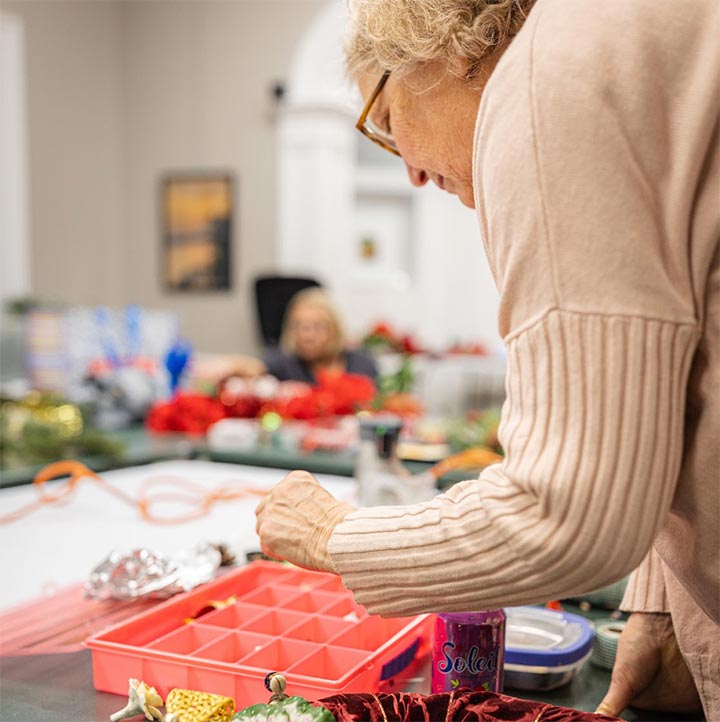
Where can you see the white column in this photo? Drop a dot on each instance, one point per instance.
(14, 223)
(315, 192)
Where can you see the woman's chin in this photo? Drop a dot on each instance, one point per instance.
(467, 198)
(463, 192)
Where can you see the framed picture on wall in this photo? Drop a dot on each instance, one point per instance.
(197, 228)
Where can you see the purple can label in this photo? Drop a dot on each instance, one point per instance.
(468, 651)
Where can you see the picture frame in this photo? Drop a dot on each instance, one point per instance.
(197, 212)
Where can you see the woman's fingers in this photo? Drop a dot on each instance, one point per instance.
(295, 520)
(618, 697)
(649, 672)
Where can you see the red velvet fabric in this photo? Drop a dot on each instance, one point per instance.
(465, 706)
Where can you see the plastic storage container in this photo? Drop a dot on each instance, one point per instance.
(544, 649)
(301, 623)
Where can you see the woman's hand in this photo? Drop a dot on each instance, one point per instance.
(295, 521)
(650, 672)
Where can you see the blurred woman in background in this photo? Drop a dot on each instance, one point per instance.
(313, 340)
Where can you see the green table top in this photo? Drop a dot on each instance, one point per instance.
(142, 447)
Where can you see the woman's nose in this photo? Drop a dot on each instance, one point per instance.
(417, 177)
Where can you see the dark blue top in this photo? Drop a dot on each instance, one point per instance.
(286, 367)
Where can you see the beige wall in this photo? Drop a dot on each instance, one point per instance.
(122, 92)
(197, 96)
(73, 67)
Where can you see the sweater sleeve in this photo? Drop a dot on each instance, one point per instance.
(589, 474)
(645, 591)
(599, 326)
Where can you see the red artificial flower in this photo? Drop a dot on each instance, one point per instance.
(382, 329)
(408, 344)
(333, 395)
(188, 413)
(244, 406)
(349, 392)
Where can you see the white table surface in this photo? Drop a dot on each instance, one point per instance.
(59, 544)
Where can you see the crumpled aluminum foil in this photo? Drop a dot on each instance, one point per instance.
(143, 573)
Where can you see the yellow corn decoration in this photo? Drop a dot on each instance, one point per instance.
(185, 705)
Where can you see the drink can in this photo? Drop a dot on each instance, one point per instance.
(469, 651)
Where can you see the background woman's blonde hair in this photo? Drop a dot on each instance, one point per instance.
(400, 35)
(317, 298)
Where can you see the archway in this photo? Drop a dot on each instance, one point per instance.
(338, 194)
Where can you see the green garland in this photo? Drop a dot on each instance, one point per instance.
(45, 427)
(478, 428)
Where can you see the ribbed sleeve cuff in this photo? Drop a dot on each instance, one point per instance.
(645, 591)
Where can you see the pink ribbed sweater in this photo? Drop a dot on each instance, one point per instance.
(597, 187)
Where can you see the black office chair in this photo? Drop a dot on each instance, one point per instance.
(272, 296)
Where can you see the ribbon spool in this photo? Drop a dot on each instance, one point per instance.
(608, 597)
(607, 635)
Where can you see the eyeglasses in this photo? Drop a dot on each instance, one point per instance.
(368, 128)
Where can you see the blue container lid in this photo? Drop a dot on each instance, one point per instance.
(536, 637)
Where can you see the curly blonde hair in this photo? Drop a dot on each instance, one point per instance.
(401, 35)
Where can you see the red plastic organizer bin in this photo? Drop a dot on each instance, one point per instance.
(301, 623)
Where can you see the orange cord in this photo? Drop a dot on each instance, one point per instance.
(178, 490)
(184, 491)
(477, 457)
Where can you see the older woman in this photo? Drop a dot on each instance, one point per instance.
(312, 341)
(585, 135)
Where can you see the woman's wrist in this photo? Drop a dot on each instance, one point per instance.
(322, 533)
